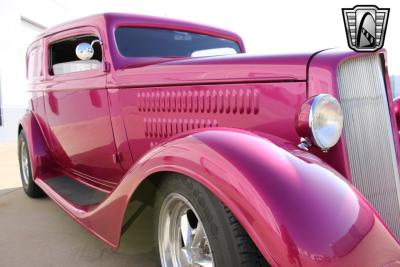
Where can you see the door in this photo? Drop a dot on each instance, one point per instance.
(77, 108)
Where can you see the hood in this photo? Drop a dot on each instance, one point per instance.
(242, 68)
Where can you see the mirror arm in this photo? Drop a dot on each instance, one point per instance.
(96, 41)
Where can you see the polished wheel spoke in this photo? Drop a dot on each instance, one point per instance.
(186, 257)
(199, 235)
(183, 240)
(186, 231)
(204, 262)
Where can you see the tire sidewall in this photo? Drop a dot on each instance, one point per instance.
(210, 211)
(21, 140)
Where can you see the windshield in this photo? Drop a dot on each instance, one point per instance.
(150, 42)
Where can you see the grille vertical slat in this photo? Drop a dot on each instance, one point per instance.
(369, 136)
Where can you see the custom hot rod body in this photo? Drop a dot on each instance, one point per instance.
(245, 154)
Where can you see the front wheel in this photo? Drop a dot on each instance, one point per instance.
(194, 229)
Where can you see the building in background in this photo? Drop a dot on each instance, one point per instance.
(20, 22)
(395, 83)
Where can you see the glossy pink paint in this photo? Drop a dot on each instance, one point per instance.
(302, 120)
(396, 108)
(227, 122)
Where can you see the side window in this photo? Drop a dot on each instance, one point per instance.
(34, 63)
(63, 58)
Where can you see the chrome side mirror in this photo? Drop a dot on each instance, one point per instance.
(85, 51)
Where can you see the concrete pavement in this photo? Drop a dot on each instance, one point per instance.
(9, 172)
(36, 232)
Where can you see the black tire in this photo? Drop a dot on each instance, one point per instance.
(230, 244)
(29, 186)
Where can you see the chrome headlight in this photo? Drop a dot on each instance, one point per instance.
(321, 120)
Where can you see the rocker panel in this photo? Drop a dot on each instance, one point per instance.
(76, 192)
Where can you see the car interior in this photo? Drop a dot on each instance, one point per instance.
(63, 58)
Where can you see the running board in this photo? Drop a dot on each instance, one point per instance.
(75, 192)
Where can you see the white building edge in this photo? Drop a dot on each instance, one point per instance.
(20, 22)
(395, 83)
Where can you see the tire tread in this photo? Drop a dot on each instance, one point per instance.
(249, 253)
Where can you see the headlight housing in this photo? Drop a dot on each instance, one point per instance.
(320, 120)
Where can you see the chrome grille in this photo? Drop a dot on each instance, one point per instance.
(369, 136)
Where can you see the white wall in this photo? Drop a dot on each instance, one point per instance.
(395, 82)
(16, 35)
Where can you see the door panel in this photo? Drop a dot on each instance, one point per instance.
(82, 138)
(78, 115)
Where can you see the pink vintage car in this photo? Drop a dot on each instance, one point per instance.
(288, 160)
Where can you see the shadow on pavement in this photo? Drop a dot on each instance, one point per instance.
(37, 232)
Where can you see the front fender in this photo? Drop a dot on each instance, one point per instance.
(297, 211)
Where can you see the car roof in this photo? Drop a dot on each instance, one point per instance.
(143, 20)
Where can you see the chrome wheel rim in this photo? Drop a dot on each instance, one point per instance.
(24, 162)
(182, 239)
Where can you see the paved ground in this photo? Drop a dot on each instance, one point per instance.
(36, 232)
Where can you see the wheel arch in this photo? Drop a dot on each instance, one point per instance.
(146, 194)
(38, 150)
(286, 201)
